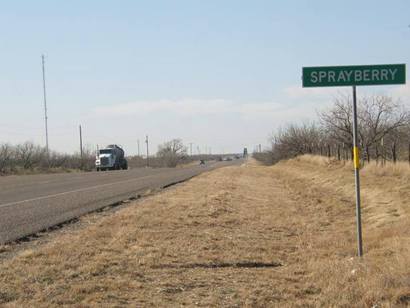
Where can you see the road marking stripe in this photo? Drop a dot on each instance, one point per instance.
(72, 191)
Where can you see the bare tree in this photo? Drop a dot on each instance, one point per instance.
(337, 122)
(293, 140)
(378, 117)
(6, 156)
(29, 155)
(381, 117)
(383, 129)
(172, 152)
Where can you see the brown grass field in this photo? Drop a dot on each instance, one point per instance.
(250, 236)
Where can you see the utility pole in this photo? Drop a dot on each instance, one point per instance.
(138, 142)
(81, 143)
(260, 148)
(81, 149)
(190, 149)
(146, 141)
(45, 104)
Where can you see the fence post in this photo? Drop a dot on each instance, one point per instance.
(394, 152)
(377, 154)
(368, 154)
(338, 151)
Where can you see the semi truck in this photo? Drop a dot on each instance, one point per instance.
(111, 158)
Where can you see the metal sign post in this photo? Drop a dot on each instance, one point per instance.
(356, 162)
(356, 75)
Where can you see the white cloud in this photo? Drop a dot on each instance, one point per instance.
(183, 107)
(189, 107)
(298, 92)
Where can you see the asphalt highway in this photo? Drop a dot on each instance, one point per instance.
(29, 204)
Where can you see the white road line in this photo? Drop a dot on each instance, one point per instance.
(73, 191)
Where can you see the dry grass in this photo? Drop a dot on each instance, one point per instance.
(383, 276)
(315, 159)
(399, 169)
(238, 236)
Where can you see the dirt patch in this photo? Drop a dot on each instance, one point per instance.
(236, 236)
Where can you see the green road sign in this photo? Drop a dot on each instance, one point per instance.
(356, 75)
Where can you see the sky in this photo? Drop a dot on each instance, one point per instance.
(220, 74)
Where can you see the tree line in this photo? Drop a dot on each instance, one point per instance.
(383, 132)
(170, 154)
(31, 158)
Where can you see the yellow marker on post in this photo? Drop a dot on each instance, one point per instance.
(356, 158)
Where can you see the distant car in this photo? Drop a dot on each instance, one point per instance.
(202, 162)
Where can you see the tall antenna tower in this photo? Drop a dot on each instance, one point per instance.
(45, 103)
